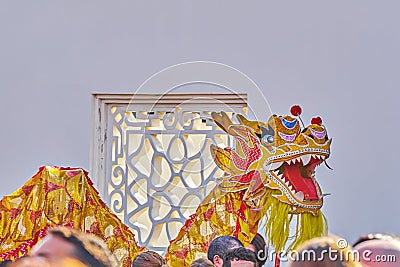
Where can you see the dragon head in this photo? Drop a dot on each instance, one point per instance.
(279, 157)
(291, 161)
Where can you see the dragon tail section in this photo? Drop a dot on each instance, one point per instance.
(60, 196)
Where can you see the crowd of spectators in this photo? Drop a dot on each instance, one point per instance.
(64, 247)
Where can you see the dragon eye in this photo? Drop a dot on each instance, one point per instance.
(268, 139)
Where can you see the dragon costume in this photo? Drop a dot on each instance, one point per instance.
(270, 173)
(60, 196)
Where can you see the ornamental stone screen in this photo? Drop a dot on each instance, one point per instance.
(151, 160)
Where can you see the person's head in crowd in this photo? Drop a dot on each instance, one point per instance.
(202, 262)
(378, 250)
(380, 236)
(258, 245)
(43, 262)
(148, 259)
(64, 246)
(240, 257)
(26, 261)
(5, 263)
(219, 246)
(327, 251)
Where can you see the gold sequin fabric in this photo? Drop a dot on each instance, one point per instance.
(60, 196)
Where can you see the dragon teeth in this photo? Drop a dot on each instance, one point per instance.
(299, 195)
(305, 159)
(292, 161)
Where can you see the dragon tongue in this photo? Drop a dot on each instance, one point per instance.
(305, 185)
(312, 191)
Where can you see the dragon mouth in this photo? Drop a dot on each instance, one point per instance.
(297, 176)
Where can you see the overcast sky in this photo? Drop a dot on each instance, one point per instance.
(338, 60)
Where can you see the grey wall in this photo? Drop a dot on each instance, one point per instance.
(338, 59)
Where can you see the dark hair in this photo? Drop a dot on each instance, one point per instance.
(88, 248)
(239, 254)
(259, 242)
(4, 263)
(220, 245)
(148, 259)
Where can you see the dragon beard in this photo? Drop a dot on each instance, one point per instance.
(279, 218)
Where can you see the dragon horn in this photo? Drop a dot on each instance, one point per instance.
(222, 120)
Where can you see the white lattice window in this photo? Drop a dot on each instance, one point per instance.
(151, 159)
